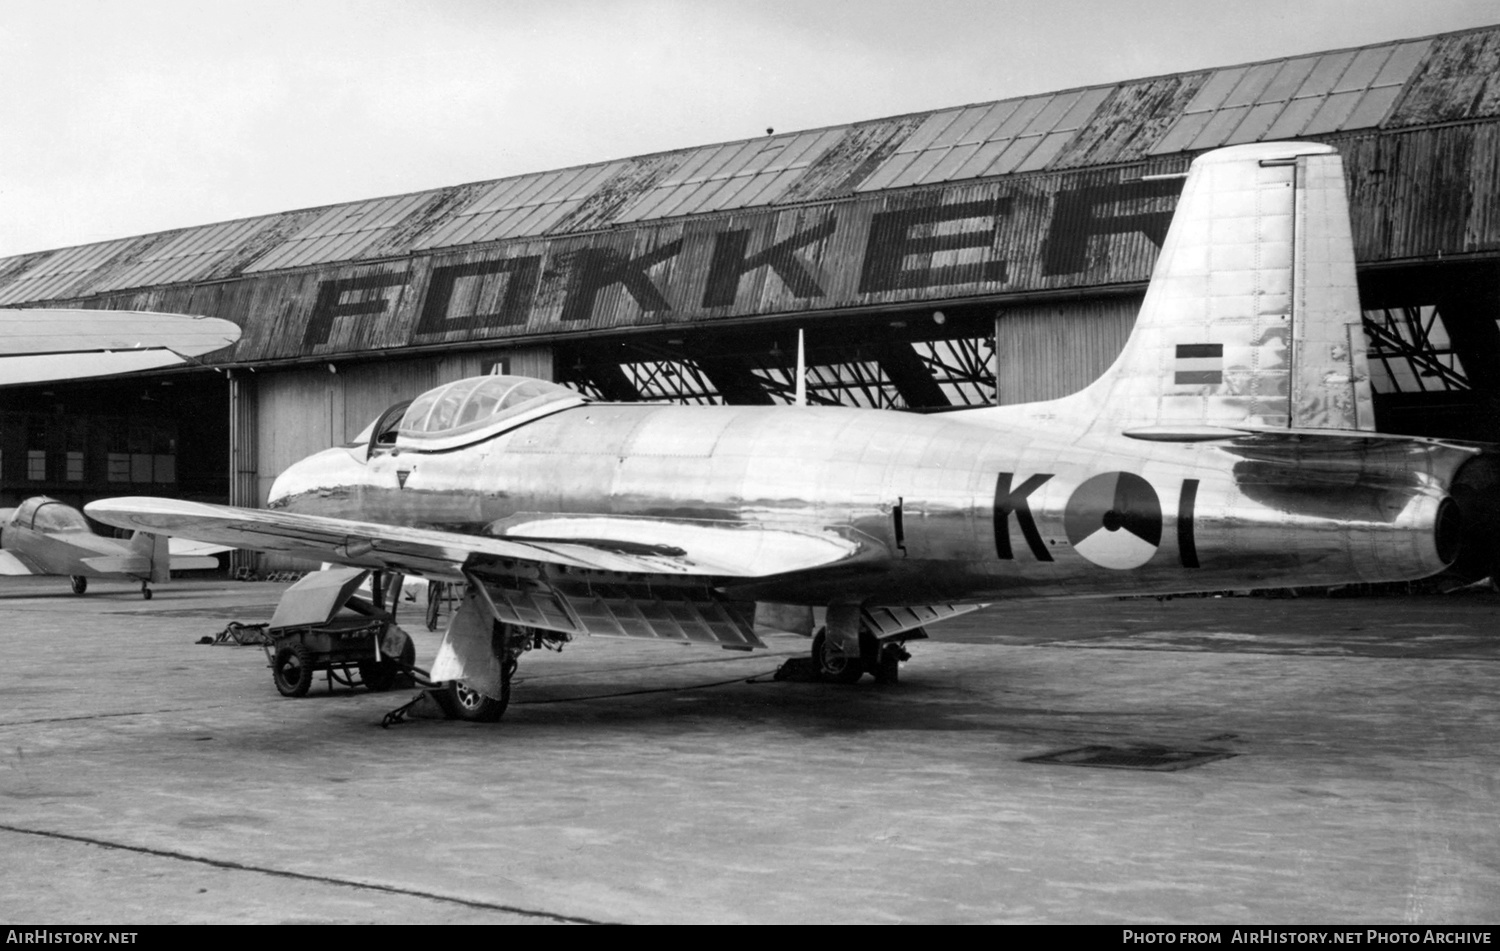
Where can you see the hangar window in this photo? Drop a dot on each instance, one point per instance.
(463, 412)
(1410, 351)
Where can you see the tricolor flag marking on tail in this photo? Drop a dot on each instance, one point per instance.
(1199, 363)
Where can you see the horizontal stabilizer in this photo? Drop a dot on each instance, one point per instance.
(1303, 442)
(186, 546)
(194, 563)
(120, 564)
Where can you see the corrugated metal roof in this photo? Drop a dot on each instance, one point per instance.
(186, 257)
(1016, 135)
(341, 233)
(1291, 98)
(1401, 84)
(520, 206)
(734, 175)
(58, 274)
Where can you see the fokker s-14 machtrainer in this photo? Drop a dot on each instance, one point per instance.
(1230, 445)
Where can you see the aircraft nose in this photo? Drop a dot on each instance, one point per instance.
(317, 473)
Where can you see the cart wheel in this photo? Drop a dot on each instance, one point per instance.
(292, 670)
(380, 676)
(79, 582)
(461, 703)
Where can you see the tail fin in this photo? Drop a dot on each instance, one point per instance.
(1252, 316)
(154, 549)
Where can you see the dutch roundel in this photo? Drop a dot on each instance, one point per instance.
(1114, 520)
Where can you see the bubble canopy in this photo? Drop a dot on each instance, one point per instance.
(49, 515)
(466, 411)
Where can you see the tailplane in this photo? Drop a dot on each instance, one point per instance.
(1252, 316)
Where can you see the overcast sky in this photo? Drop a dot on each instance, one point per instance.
(126, 117)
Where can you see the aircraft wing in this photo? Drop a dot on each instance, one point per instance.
(629, 546)
(43, 344)
(12, 565)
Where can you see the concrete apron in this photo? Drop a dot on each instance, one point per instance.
(145, 778)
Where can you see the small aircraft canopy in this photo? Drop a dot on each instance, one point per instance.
(457, 414)
(46, 515)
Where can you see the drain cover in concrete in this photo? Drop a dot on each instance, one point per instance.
(1156, 758)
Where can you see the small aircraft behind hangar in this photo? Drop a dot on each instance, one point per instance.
(1230, 445)
(42, 536)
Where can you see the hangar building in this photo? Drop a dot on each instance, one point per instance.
(994, 251)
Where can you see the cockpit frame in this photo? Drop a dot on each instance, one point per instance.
(476, 408)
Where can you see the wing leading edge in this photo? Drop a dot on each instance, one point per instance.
(630, 577)
(646, 548)
(39, 345)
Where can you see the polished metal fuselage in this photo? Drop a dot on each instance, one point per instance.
(951, 507)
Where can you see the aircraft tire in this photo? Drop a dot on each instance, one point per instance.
(887, 667)
(146, 593)
(835, 668)
(461, 703)
(79, 583)
(291, 670)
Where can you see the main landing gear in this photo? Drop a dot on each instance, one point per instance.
(460, 702)
(880, 660)
(478, 661)
(80, 584)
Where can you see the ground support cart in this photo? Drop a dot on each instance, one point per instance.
(308, 634)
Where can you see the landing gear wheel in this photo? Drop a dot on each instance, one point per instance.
(291, 670)
(381, 675)
(888, 667)
(79, 583)
(834, 667)
(461, 703)
(146, 593)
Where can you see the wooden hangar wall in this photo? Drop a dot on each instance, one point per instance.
(1054, 263)
(1030, 224)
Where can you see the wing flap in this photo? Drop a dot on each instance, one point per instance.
(887, 621)
(690, 614)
